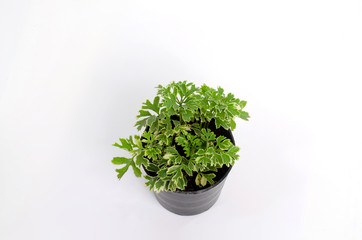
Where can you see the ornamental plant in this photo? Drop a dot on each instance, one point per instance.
(178, 148)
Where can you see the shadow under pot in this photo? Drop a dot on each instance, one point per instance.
(192, 202)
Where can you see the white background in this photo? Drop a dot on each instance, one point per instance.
(73, 75)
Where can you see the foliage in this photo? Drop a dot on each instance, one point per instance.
(177, 145)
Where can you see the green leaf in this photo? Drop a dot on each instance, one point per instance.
(219, 159)
(198, 179)
(150, 120)
(221, 123)
(173, 169)
(172, 150)
(124, 144)
(168, 156)
(120, 160)
(152, 167)
(181, 183)
(187, 169)
(220, 91)
(183, 89)
(219, 139)
(162, 173)
(151, 181)
(209, 177)
(122, 171)
(141, 160)
(184, 128)
(143, 113)
(178, 160)
(232, 124)
(141, 123)
(138, 142)
(171, 102)
(177, 175)
(224, 145)
(152, 106)
(244, 115)
(242, 104)
(226, 158)
(159, 184)
(136, 171)
(186, 114)
(203, 180)
(200, 152)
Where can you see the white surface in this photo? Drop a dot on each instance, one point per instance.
(73, 75)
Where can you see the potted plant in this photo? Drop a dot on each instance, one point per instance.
(187, 148)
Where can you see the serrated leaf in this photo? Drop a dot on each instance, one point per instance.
(203, 181)
(187, 169)
(184, 127)
(181, 183)
(221, 123)
(208, 177)
(141, 123)
(168, 156)
(172, 150)
(233, 149)
(154, 126)
(186, 114)
(200, 152)
(141, 160)
(136, 171)
(150, 120)
(122, 171)
(159, 183)
(151, 181)
(124, 144)
(244, 115)
(152, 106)
(143, 113)
(219, 159)
(219, 139)
(225, 144)
(173, 169)
(232, 124)
(226, 158)
(176, 123)
(178, 160)
(210, 150)
(170, 102)
(120, 160)
(138, 142)
(243, 104)
(198, 179)
(183, 89)
(192, 166)
(152, 167)
(177, 175)
(162, 173)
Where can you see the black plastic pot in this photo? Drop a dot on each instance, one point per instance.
(195, 202)
(191, 202)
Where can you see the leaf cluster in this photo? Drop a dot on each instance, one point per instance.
(177, 145)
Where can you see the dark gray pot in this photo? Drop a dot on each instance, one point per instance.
(191, 202)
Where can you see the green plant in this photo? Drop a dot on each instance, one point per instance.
(177, 145)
